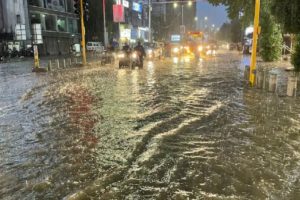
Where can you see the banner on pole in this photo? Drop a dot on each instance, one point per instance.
(118, 11)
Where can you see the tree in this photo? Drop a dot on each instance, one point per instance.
(287, 13)
(296, 55)
(225, 32)
(271, 39)
(231, 32)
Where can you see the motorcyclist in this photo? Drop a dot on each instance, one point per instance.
(126, 47)
(141, 52)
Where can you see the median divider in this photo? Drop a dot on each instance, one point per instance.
(275, 81)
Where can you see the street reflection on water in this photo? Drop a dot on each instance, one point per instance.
(174, 130)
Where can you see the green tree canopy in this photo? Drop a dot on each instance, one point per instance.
(287, 13)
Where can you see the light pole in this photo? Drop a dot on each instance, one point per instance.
(205, 22)
(149, 25)
(104, 23)
(181, 14)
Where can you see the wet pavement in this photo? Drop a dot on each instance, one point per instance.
(169, 131)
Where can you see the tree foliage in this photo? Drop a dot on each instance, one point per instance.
(287, 13)
(296, 55)
(271, 38)
(231, 32)
(242, 9)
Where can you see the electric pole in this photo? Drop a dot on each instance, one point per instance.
(256, 32)
(82, 33)
(150, 10)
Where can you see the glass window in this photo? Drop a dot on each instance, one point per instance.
(72, 24)
(56, 5)
(37, 18)
(39, 3)
(50, 22)
(61, 24)
(70, 6)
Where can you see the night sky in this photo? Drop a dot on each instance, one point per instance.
(216, 15)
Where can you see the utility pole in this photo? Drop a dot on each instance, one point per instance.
(82, 33)
(254, 42)
(150, 10)
(104, 23)
(181, 14)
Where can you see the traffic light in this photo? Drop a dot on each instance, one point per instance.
(77, 6)
(86, 10)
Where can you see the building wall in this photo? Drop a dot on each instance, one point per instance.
(11, 13)
(59, 25)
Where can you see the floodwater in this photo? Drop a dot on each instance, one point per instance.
(169, 131)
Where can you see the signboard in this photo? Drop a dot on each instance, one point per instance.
(37, 34)
(137, 7)
(175, 38)
(118, 12)
(20, 32)
(196, 34)
(125, 4)
(125, 33)
(134, 33)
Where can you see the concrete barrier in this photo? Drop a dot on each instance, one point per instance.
(292, 86)
(50, 65)
(259, 79)
(57, 62)
(247, 73)
(272, 82)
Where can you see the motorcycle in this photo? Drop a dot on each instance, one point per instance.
(130, 59)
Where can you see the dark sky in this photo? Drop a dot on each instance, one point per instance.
(216, 15)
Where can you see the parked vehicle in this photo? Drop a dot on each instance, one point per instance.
(247, 43)
(95, 46)
(27, 52)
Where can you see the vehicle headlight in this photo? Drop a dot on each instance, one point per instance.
(200, 48)
(121, 55)
(134, 55)
(175, 50)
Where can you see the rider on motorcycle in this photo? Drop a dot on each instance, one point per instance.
(141, 52)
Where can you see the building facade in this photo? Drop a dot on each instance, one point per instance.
(59, 24)
(136, 21)
(13, 13)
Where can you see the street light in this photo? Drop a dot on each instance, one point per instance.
(175, 5)
(190, 3)
(196, 18)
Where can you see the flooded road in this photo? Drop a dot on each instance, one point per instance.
(169, 131)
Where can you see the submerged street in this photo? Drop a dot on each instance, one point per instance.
(171, 130)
